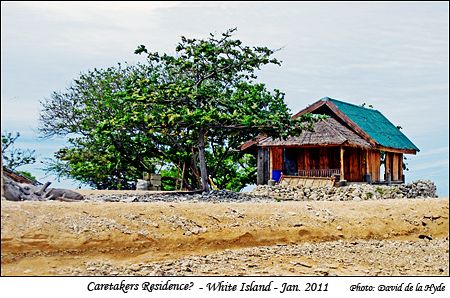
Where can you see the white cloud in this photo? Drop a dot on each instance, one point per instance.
(431, 165)
(90, 10)
(435, 152)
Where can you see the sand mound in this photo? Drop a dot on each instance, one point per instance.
(51, 238)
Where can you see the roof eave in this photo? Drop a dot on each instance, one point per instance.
(397, 150)
(346, 143)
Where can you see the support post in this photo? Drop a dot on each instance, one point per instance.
(367, 162)
(260, 167)
(270, 163)
(368, 176)
(387, 166)
(341, 176)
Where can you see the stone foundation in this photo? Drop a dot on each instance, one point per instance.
(356, 192)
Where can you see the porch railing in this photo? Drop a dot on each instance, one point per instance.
(319, 172)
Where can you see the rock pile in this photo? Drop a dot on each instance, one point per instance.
(213, 196)
(265, 193)
(355, 192)
(420, 188)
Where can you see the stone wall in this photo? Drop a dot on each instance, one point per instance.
(355, 192)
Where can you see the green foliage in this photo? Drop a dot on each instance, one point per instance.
(169, 177)
(405, 164)
(380, 190)
(188, 112)
(27, 175)
(101, 153)
(13, 157)
(210, 90)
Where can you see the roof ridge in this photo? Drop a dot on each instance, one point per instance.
(351, 104)
(376, 125)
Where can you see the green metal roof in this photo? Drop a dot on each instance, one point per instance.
(375, 125)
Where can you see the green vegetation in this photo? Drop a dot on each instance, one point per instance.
(13, 157)
(380, 190)
(27, 175)
(182, 115)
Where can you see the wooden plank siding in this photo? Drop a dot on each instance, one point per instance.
(307, 159)
(323, 158)
(374, 165)
(357, 161)
(387, 164)
(354, 166)
(301, 159)
(277, 158)
(395, 167)
(318, 158)
(393, 164)
(400, 166)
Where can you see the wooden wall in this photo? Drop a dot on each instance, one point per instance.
(357, 161)
(317, 158)
(303, 159)
(374, 164)
(395, 167)
(354, 164)
(394, 163)
(277, 158)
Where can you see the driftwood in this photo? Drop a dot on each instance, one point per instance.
(15, 191)
(63, 195)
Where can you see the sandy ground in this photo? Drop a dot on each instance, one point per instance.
(388, 237)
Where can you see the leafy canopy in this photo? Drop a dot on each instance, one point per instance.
(186, 113)
(209, 89)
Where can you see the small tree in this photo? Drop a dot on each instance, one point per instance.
(14, 157)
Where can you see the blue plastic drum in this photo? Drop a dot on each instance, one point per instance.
(276, 175)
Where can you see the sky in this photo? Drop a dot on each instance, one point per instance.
(392, 55)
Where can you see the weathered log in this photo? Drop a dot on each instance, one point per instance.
(43, 189)
(57, 193)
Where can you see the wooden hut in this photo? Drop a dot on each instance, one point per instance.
(348, 146)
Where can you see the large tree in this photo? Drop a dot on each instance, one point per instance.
(210, 89)
(182, 111)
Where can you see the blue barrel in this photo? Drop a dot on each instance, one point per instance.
(276, 175)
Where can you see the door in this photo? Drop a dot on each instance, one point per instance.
(290, 162)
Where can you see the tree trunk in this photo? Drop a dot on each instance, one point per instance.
(182, 176)
(201, 158)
